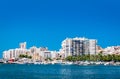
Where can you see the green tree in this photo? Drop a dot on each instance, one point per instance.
(69, 58)
(24, 56)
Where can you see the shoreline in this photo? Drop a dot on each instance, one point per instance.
(81, 63)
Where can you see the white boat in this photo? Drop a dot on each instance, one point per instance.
(69, 63)
(107, 63)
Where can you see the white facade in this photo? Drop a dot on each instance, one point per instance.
(6, 55)
(47, 54)
(92, 46)
(78, 46)
(54, 54)
(61, 52)
(13, 53)
(42, 51)
(67, 47)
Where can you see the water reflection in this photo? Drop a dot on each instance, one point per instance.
(58, 72)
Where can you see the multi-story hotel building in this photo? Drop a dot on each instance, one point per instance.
(78, 46)
(14, 53)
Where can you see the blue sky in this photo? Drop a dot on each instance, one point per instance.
(48, 22)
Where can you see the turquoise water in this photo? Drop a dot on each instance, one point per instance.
(14, 71)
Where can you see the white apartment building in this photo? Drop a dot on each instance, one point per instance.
(42, 53)
(47, 54)
(92, 46)
(67, 47)
(6, 55)
(78, 46)
(62, 54)
(54, 54)
(14, 53)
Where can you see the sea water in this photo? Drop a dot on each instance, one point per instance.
(31, 71)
